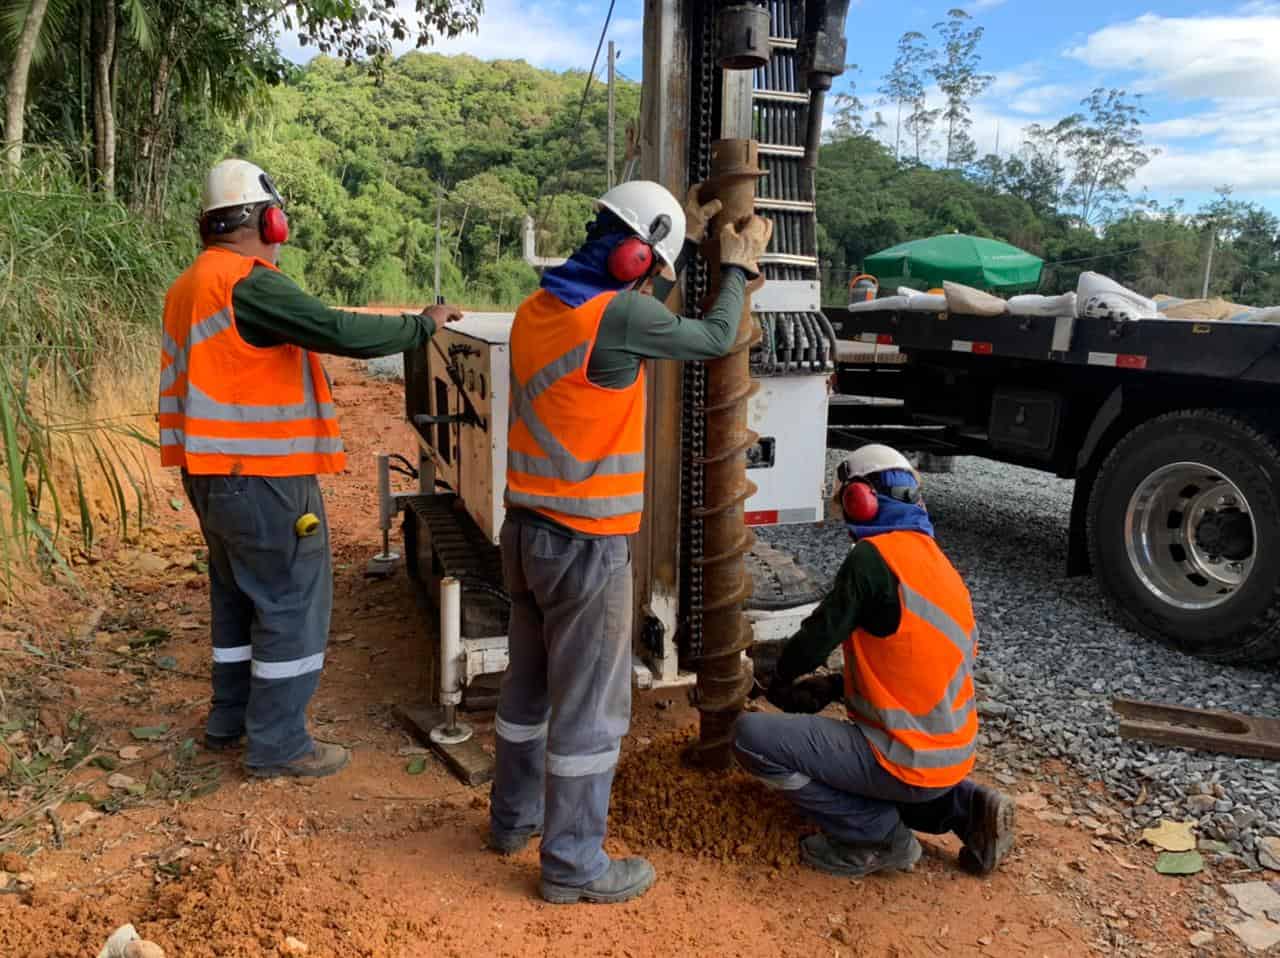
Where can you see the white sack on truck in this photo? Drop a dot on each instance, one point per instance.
(1033, 304)
(1099, 297)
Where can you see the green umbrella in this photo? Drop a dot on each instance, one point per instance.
(971, 260)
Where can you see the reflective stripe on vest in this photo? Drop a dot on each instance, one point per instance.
(932, 747)
(575, 450)
(228, 407)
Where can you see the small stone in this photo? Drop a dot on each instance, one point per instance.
(292, 946)
(1269, 852)
(1091, 823)
(130, 753)
(120, 781)
(1201, 804)
(25, 879)
(1031, 801)
(150, 564)
(841, 935)
(1131, 914)
(989, 709)
(1223, 805)
(1258, 934)
(143, 949)
(1209, 845)
(1052, 818)
(1201, 939)
(1254, 898)
(87, 816)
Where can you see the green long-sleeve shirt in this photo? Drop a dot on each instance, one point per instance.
(864, 595)
(271, 309)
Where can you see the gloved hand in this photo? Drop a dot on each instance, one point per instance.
(442, 314)
(807, 696)
(743, 243)
(698, 214)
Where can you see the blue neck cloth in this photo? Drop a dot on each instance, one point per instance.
(585, 274)
(893, 514)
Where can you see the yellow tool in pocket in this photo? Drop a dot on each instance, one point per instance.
(307, 525)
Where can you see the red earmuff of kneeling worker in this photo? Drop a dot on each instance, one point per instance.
(858, 501)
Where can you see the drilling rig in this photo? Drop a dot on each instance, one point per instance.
(732, 96)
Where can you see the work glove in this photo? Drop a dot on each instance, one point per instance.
(807, 696)
(698, 214)
(743, 243)
(442, 314)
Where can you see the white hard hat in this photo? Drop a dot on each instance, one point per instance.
(237, 183)
(641, 204)
(870, 460)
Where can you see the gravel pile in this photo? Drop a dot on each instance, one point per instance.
(1051, 658)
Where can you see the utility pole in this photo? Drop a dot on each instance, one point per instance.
(439, 205)
(1208, 265)
(609, 147)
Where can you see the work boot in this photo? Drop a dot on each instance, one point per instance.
(899, 852)
(325, 758)
(625, 879)
(990, 832)
(508, 843)
(222, 743)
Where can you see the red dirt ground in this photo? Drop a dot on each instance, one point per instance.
(379, 862)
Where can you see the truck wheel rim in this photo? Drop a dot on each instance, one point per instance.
(1190, 535)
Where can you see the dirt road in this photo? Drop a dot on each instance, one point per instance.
(380, 862)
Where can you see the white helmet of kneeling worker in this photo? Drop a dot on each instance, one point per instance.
(652, 213)
(233, 183)
(868, 461)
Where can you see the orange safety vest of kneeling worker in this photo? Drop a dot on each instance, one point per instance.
(911, 693)
(575, 450)
(228, 407)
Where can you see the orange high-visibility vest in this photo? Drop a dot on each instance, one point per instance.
(229, 408)
(575, 450)
(911, 693)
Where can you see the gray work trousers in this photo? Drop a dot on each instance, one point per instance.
(565, 702)
(271, 593)
(827, 769)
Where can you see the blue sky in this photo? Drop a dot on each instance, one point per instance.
(1209, 72)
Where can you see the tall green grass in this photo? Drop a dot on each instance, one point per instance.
(82, 282)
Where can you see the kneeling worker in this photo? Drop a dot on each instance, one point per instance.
(903, 616)
(247, 415)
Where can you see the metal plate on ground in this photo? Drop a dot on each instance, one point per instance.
(468, 760)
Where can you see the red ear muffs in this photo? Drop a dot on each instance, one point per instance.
(859, 502)
(274, 226)
(632, 259)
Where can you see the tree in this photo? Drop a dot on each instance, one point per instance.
(955, 69)
(903, 85)
(358, 31)
(1037, 173)
(848, 108)
(16, 87)
(1105, 148)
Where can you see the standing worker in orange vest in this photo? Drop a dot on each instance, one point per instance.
(575, 492)
(247, 415)
(900, 765)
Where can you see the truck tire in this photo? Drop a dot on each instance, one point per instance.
(1184, 534)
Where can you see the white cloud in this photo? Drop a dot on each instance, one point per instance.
(1251, 172)
(985, 4)
(1192, 57)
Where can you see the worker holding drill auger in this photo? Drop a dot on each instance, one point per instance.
(246, 413)
(903, 616)
(575, 493)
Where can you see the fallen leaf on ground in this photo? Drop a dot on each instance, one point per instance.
(416, 766)
(1171, 836)
(1179, 863)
